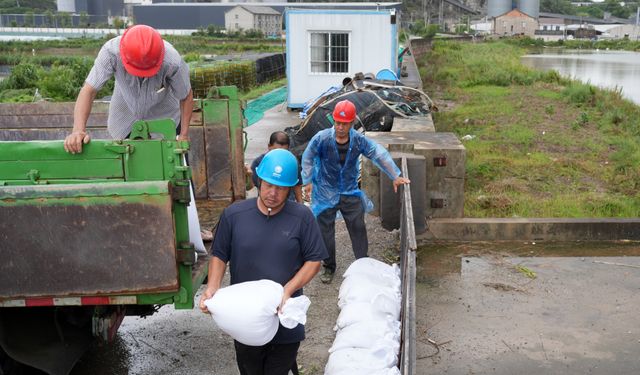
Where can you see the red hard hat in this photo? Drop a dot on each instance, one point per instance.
(142, 50)
(344, 111)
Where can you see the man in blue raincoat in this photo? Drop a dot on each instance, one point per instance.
(330, 169)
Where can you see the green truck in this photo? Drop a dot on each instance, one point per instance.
(87, 239)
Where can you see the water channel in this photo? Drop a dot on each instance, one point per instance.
(529, 308)
(608, 69)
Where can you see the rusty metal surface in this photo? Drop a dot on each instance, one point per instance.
(197, 161)
(64, 250)
(237, 169)
(218, 150)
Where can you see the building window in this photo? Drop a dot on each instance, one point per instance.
(544, 28)
(557, 28)
(329, 52)
(236, 16)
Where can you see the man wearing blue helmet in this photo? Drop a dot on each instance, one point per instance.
(285, 246)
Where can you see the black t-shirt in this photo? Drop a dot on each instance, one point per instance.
(343, 149)
(259, 247)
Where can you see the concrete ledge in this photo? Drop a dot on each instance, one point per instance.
(551, 229)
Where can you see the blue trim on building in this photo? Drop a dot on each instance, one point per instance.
(288, 54)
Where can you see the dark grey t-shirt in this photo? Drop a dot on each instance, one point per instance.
(259, 247)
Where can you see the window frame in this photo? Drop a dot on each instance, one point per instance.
(330, 62)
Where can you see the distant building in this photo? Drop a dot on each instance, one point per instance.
(246, 17)
(515, 22)
(94, 7)
(623, 31)
(551, 29)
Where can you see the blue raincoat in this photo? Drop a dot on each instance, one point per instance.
(321, 166)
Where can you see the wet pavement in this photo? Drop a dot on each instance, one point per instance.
(168, 342)
(531, 308)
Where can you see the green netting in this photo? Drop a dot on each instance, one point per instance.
(256, 108)
(241, 74)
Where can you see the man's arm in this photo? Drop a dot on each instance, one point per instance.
(306, 164)
(382, 159)
(300, 279)
(74, 141)
(186, 109)
(216, 272)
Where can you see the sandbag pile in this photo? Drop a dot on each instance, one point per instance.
(368, 327)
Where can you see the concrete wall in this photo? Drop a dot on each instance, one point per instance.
(373, 43)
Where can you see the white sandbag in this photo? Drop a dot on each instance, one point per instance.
(386, 371)
(368, 335)
(359, 360)
(357, 312)
(359, 292)
(195, 237)
(382, 280)
(248, 311)
(358, 283)
(373, 267)
(294, 312)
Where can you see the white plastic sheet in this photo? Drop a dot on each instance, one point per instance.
(194, 222)
(294, 312)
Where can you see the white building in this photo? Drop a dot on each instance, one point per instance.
(631, 32)
(245, 17)
(326, 45)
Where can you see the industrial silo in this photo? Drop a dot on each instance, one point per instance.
(498, 7)
(530, 7)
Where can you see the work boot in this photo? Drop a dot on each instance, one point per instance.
(327, 276)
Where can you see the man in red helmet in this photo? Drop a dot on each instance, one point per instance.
(331, 164)
(152, 82)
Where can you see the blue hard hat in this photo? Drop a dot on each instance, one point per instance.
(279, 167)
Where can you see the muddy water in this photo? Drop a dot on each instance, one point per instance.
(532, 308)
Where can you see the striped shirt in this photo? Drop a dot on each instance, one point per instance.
(136, 98)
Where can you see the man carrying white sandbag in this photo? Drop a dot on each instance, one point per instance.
(271, 238)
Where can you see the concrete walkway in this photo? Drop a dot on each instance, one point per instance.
(277, 118)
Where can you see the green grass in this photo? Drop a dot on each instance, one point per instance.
(545, 146)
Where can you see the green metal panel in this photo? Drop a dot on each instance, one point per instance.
(42, 170)
(140, 209)
(123, 192)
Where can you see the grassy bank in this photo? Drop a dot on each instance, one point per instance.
(542, 146)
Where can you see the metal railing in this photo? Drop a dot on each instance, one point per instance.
(408, 248)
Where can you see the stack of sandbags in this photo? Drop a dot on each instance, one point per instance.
(368, 327)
